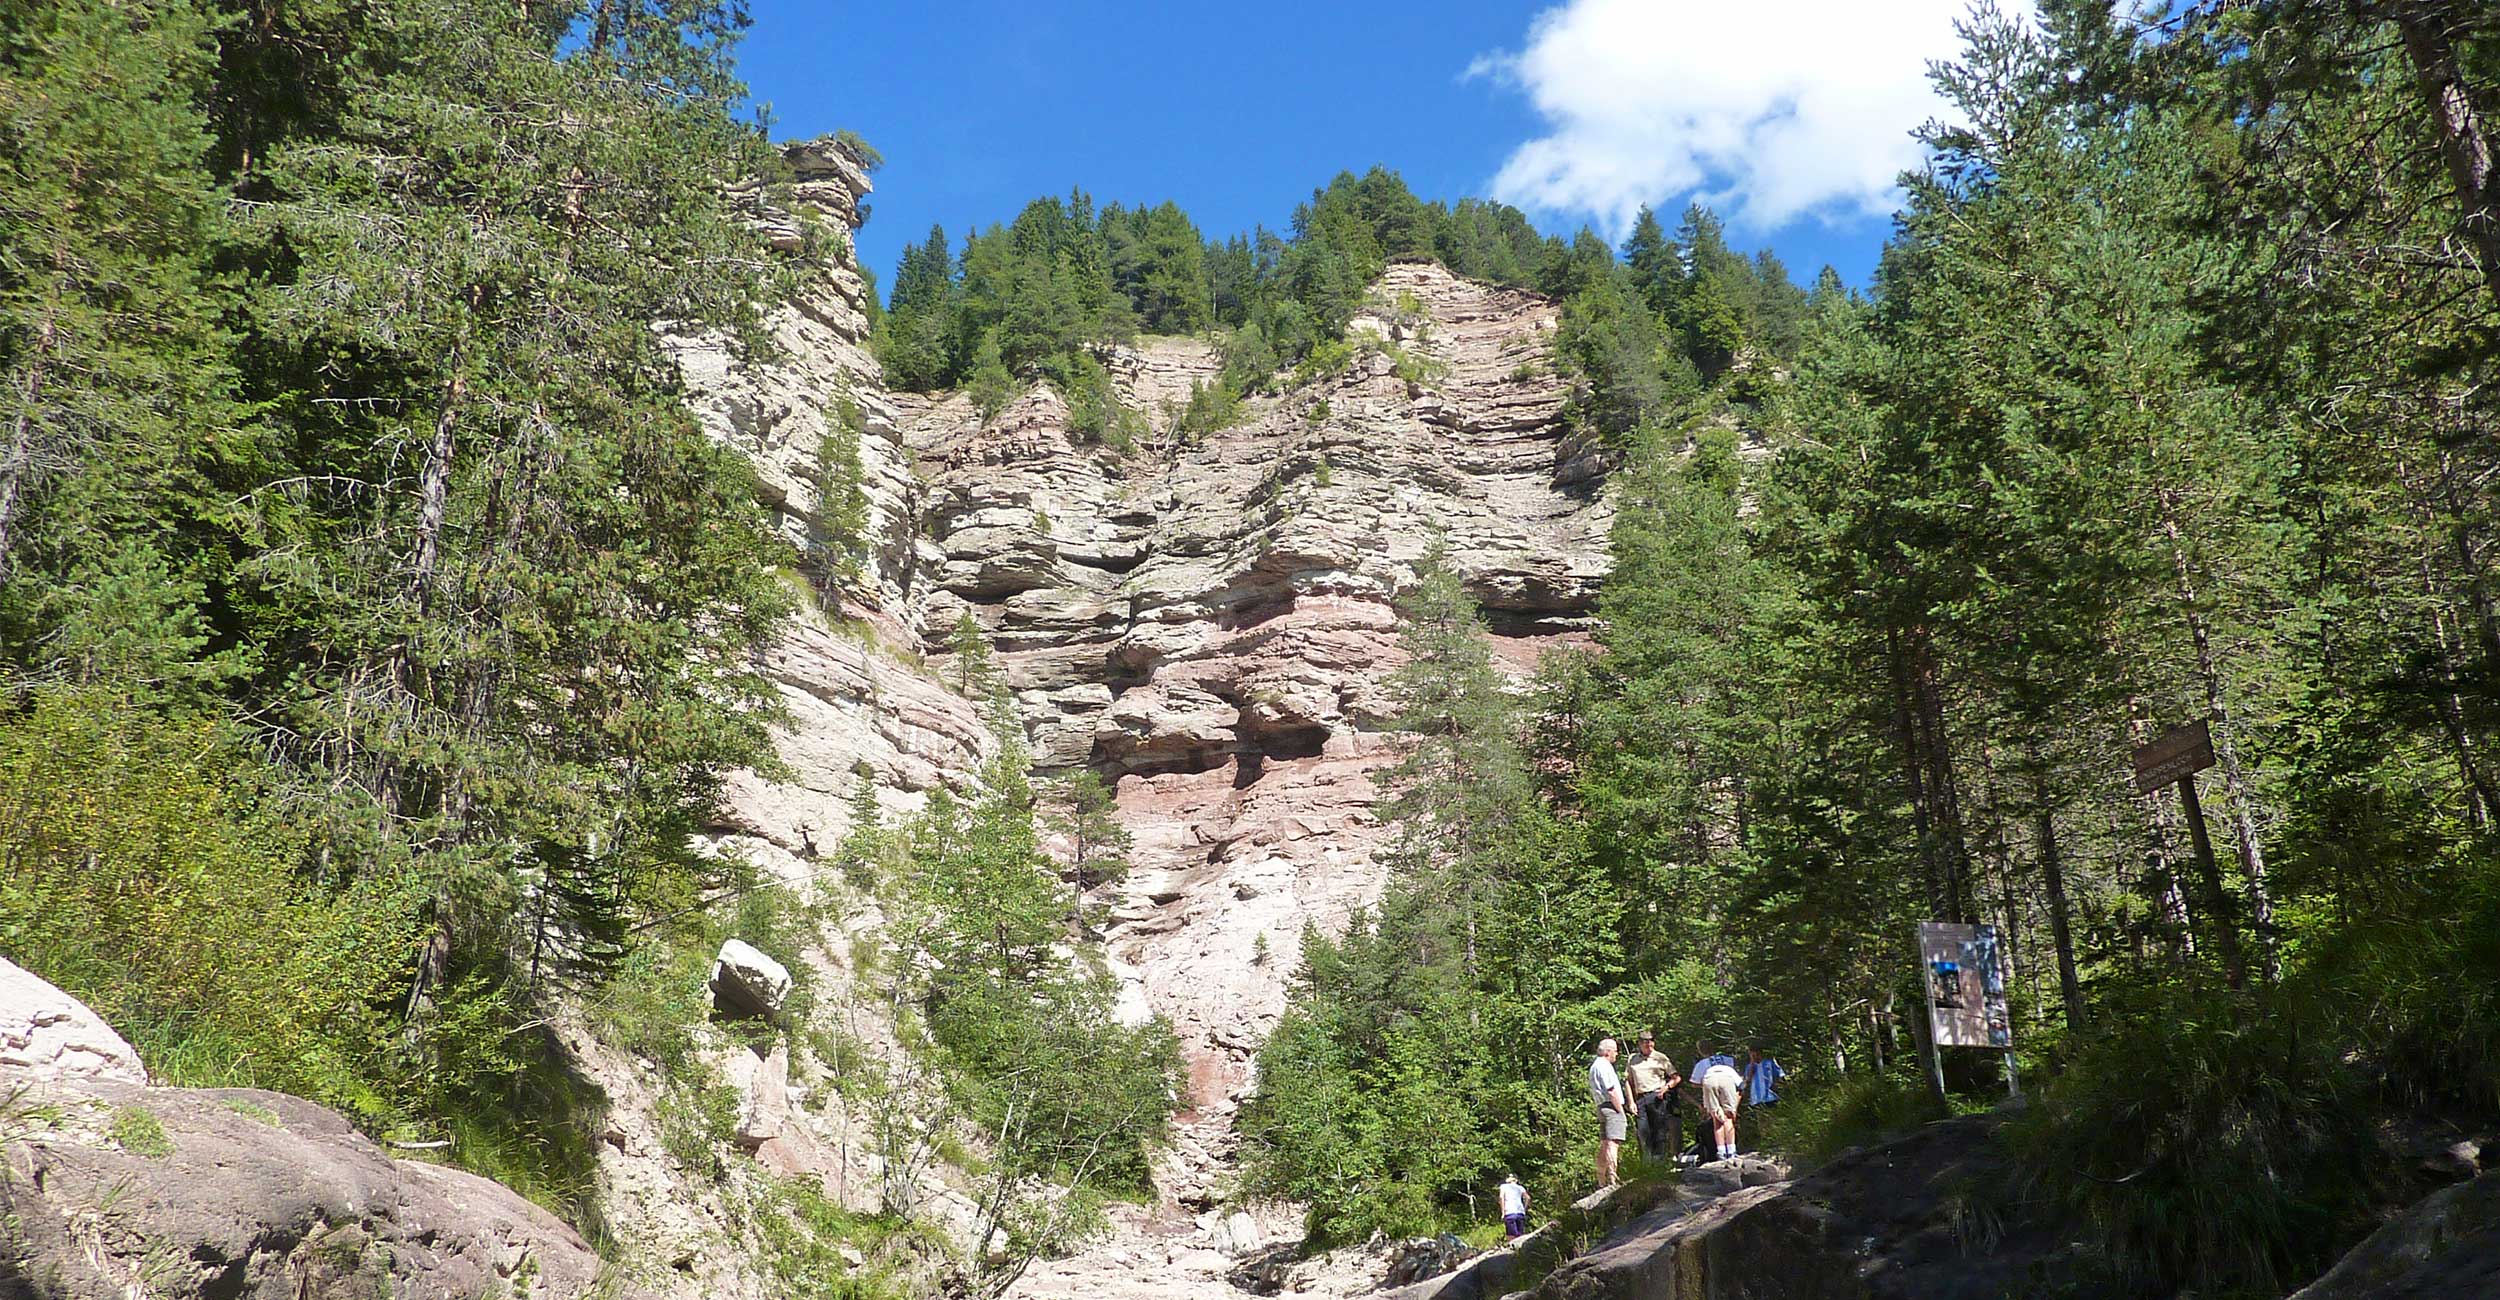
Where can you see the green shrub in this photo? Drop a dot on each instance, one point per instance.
(2205, 1139)
(801, 1235)
(860, 148)
(1095, 412)
(989, 385)
(152, 875)
(1211, 408)
(698, 1118)
(1327, 359)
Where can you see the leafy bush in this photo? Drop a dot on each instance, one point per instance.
(860, 148)
(802, 1235)
(1211, 408)
(1327, 359)
(2206, 1139)
(153, 875)
(1095, 411)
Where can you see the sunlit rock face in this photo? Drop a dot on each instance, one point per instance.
(1212, 624)
(1209, 623)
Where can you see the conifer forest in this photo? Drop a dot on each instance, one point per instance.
(414, 640)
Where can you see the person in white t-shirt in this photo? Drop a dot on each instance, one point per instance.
(1514, 1207)
(1606, 1091)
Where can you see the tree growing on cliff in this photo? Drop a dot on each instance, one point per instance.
(1085, 813)
(840, 524)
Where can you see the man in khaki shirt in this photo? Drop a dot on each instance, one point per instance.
(1653, 1078)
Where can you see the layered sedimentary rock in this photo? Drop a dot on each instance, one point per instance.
(1211, 622)
(1206, 621)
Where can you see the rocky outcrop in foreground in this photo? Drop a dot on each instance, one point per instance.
(1906, 1220)
(2446, 1246)
(112, 1189)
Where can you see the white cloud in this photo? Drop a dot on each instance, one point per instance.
(1768, 111)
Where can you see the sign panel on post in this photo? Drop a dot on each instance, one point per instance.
(2172, 756)
(1965, 977)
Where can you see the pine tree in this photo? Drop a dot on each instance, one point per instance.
(841, 514)
(1087, 816)
(118, 396)
(1656, 263)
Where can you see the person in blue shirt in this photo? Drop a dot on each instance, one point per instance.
(1762, 1076)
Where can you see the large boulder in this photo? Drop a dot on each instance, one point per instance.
(235, 1194)
(47, 1036)
(1906, 1220)
(745, 982)
(111, 1189)
(2446, 1245)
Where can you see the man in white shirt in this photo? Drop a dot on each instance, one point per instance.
(1606, 1090)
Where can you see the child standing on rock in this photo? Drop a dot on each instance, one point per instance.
(1514, 1207)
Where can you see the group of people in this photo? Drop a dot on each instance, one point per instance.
(1643, 1096)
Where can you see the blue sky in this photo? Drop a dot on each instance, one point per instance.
(1574, 111)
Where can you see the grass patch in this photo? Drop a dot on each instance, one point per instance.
(137, 1130)
(698, 1119)
(1810, 1126)
(252, 1110)
(801, 1238)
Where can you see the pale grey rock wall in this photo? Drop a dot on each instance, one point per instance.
(47, 1036)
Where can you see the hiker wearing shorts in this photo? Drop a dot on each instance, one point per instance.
(1606, 1091)
(1722, 1091)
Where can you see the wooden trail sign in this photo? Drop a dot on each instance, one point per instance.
(2173, 756)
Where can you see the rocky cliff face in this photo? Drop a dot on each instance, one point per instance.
(1211, 624)
(1207, 622)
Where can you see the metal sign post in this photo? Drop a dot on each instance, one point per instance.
(2177, 755)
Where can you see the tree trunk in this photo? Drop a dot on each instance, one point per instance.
(2217, 899)
(2053, 875)
(1905, 726)
(2470, 553)
(2161, 879)
(434, 490)
(17, 464)
(2430, 45)
(2480, 797)
(2226, 751)
(1936, 751)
